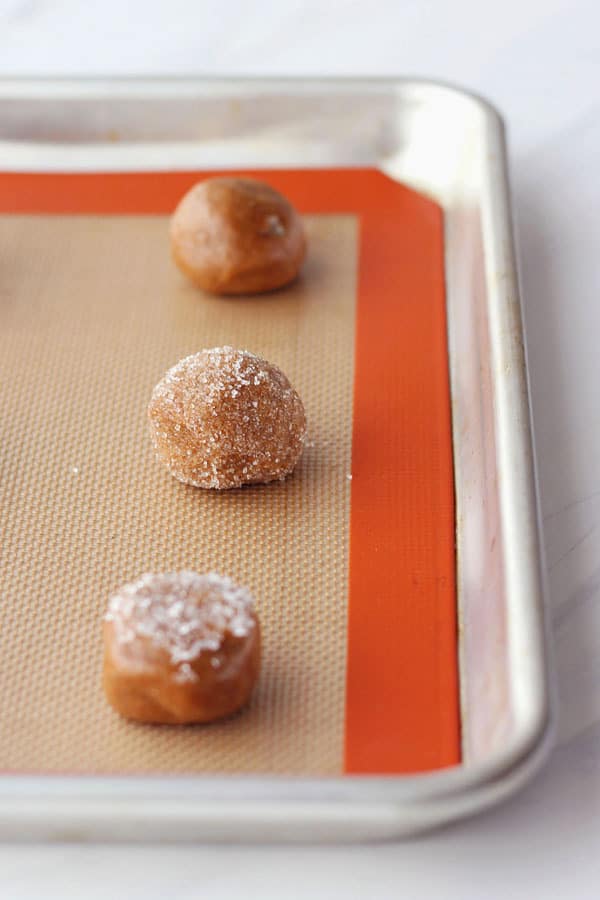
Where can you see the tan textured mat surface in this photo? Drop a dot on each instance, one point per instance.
(92, 313)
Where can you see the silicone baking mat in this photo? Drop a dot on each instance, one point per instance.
(351, 559)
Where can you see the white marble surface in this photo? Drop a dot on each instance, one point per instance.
(539, 60)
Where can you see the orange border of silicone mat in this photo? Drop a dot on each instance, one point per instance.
(402, 673)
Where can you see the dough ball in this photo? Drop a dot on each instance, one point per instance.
(223, 418)
(237, 236)
(180, 648)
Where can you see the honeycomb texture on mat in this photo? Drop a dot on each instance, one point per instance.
(92, 313)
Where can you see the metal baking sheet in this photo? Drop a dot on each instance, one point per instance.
(450, 147)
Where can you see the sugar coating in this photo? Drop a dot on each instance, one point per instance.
(182, 613)
(225, 417)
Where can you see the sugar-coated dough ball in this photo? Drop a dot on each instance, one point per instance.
(223, 418)
(180, 648)
(237, 236)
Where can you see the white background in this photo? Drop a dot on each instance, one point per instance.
(540, 63)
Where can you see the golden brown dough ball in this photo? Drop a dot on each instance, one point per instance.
(237, 236)
(223, 418)
(180, 648)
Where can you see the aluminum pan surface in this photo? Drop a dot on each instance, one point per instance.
(450, 146)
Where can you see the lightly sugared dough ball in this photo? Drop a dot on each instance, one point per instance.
(180, 648)
(223, 418)
(237, 236)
